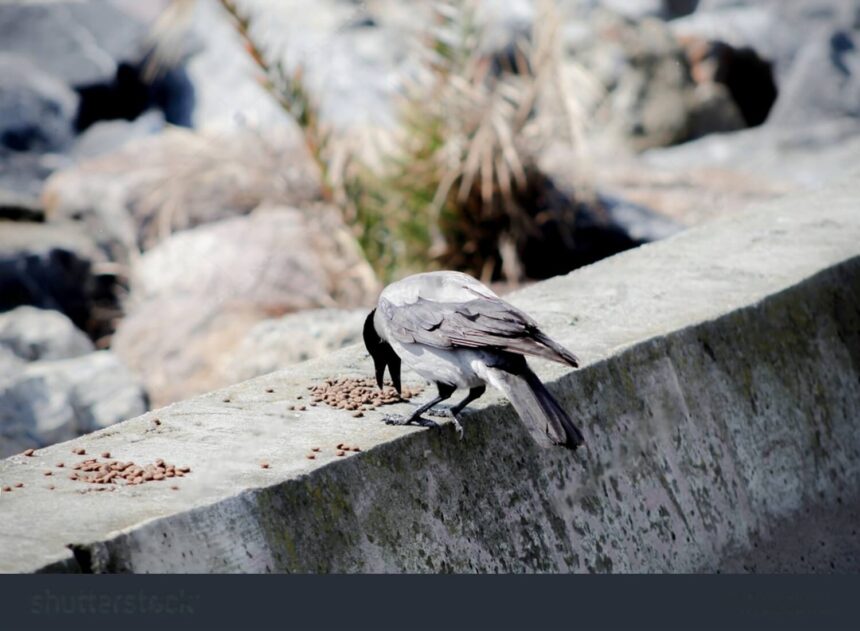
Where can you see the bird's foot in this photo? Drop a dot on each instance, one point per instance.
(440, 413)
(410, 420)
(457, 426)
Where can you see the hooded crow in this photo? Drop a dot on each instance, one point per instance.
(455, 332)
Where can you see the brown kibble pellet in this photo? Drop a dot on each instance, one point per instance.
(19, 485)
(356, 448)
(341, 453)
(226, 399)
(270, 390)
(315, 448)
(183, 469)
(299, 397)
(264, 465)
(157, 421)
(47, 473)
(79, 451)
(60, 465)
(105, 454)
(73, 476)
(29, 452)
(292, 407)
(310, 457)
(7, 489)
(339, 446)
(174, 488)
(51, 487)
(358, 414)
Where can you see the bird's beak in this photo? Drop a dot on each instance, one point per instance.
(379, 364)
(387, 358)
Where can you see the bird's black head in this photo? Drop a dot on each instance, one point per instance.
(382, 353)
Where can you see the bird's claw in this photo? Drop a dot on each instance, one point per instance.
(401, 420)
(457, 427)
(440, 413)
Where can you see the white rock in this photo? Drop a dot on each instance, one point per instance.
(33, 334)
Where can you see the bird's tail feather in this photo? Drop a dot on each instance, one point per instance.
(556, 352)
(548, 423)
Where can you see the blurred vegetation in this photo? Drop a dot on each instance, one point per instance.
(455, 187)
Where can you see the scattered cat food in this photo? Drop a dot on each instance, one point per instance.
(79, 451)
(311, 457)
(358, 395)
(264, 465)
(60, 465)
(106, 454)
(341, 453)
(29, 453)
(315, 448)
(47, 473)
(270, 390)
(94, 471)
(19, 485)
(7, 489)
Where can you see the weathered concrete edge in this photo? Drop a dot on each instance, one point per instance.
(110, 555)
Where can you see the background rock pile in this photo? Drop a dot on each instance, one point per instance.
(163, 235)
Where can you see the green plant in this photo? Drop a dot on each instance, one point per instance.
(457, 188)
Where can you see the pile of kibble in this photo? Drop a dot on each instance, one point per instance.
(108, 471)
(358, 395)
(118, 472)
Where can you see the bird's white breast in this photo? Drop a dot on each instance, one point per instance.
(463, 368)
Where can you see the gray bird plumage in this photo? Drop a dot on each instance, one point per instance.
(457, 333)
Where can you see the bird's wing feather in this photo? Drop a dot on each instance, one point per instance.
(483, 322)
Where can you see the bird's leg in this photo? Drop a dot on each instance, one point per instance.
(445, 392)
(474, 393)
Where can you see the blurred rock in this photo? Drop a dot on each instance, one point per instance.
(272, 344)
(228, 93)
(37, 334)
(154, 186)
(52, 267)
(823, 82)
(79, 42)
(648, 97)
(195, 295)
(36, 109)
(50, 401)
(110, 135)
(16, 206)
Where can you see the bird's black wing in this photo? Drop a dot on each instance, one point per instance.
(485, 323)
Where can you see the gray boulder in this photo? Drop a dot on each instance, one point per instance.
(179, 179)
(38, 334)
(51, 401)
(647, 96)
(272, 344)
(196, 294)
(79, 42)
(50, 267)
(37, 110)
(823, 82)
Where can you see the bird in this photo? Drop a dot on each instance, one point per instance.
(455, 332)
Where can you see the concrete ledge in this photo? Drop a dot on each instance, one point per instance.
(720, 400)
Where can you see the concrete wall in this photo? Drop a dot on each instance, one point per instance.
(719, 397)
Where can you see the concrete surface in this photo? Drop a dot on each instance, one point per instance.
(718, 396)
